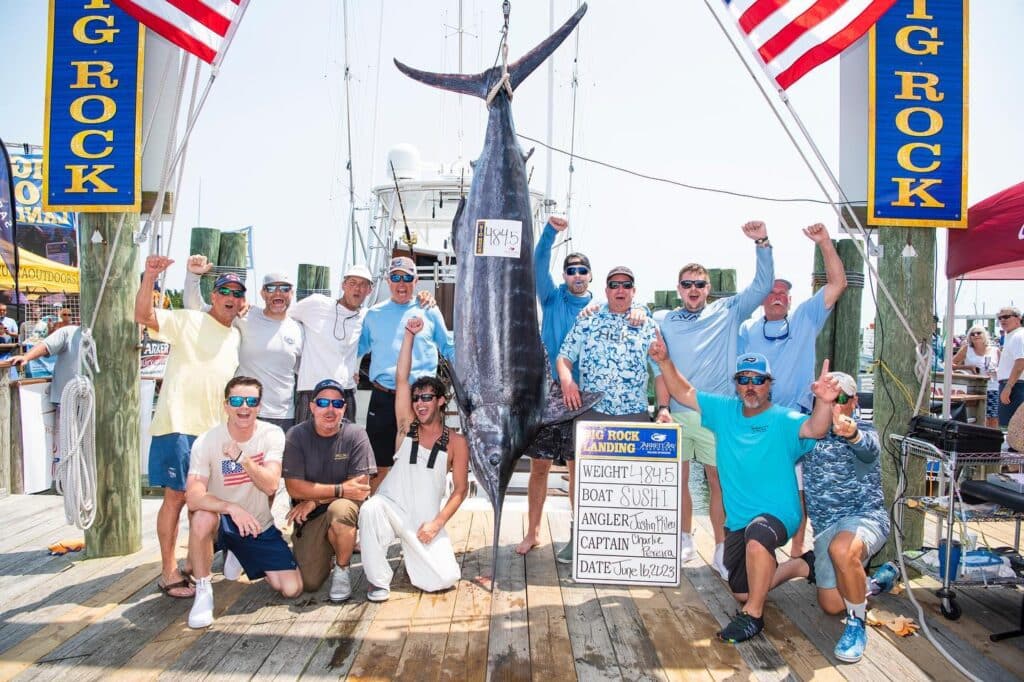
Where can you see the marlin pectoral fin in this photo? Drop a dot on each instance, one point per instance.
(519, 71)
(527, 155)
(466, 84)
(455, 222)
(555, 412)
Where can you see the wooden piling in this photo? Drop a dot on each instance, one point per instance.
(846, 354)
(910, 279)
(117, 529)
(205, 241)
(233, 251)
(311, 279)
(5, 428)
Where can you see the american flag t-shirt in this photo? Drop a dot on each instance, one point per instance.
(235, 474)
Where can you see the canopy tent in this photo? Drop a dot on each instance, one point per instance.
(40, 275)
(992, 246)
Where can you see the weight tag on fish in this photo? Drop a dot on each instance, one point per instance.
(495, 237)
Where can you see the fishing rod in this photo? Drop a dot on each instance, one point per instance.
(401, 205)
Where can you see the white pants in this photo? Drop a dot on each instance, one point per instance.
(430, 567)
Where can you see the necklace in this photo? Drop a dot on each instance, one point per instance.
(344, 322)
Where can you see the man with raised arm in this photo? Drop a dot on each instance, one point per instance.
(271, 341)
(234, 470)
(701, 340)
(409, 503)
(204, 355)
(758, 445)
(788, 341)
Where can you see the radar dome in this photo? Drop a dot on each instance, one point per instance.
(406, 160)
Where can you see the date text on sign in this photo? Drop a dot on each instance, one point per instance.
(496, 237)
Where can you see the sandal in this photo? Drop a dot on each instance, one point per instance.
(184, 583)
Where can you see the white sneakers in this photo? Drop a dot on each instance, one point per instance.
(201, 615)
(232, 567)
(718, 564)
(341, 584)
(686, 552)
(374, 593)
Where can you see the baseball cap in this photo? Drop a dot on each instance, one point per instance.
(325, 385)
(847, 384)
(402, 264)
(277, 278)
(229, 278)
(789, 285)
(360, 271)
(575, 259)
(753, 362)
(620, 270)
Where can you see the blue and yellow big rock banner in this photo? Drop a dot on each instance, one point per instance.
(93, 123)
(917, 123)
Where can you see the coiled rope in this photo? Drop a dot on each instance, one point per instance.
(76, 473)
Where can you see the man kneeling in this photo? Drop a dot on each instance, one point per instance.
(233, 472)
(758, 446)
(407, 504)
(843, 489)
(327, 465)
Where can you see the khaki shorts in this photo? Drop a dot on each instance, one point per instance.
(698, 442)
(313, 551)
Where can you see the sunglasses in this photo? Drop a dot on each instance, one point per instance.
(274, 288)
(336, 403)
(238, 401)
(228, 291)
(687, 283)
(1005, 317)
(395, 277)
(757, 381)
(423, 397)
(574, 270)
(620, 285)
(977, 333)
(842, 398)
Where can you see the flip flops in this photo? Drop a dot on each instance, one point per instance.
(184, 583)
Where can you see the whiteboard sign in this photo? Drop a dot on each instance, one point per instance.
(498, 238)
(627, 504)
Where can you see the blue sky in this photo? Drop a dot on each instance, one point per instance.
(660, 91)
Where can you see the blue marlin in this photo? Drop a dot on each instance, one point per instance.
(500, 375)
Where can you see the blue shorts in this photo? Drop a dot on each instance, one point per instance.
(168, 460)
(1016, 399)
(992, 403)
(864, 528)
(266, 552)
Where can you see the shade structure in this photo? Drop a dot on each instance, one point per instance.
(40, 275)
(992, 246)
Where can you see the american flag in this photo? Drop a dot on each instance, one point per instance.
(794, 36)
(234, 474)
(201, 27)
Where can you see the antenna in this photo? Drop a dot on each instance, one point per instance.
(348, 131)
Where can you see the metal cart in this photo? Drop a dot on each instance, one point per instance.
(951, 471)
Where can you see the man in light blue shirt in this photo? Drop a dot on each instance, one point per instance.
(701, 340)
(381, 335)
(758, 445)
(788, 341)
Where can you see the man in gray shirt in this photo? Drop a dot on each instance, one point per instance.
(271, 341)
(65, 344)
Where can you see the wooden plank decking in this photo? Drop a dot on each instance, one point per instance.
(75, 619)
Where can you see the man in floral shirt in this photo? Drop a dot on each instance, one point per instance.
(611, 356)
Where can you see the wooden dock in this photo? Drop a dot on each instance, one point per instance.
(63, 617)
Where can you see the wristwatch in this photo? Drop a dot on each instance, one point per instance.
(660, 408)
(763, 242)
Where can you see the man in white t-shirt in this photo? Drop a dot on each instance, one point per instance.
(271, 341)
(332, 336)
(1011, 364)
(234, 469)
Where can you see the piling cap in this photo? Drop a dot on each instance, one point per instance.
(229, 278)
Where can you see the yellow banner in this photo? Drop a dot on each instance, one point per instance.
(40, 275)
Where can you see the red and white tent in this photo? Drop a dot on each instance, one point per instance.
(992, 246)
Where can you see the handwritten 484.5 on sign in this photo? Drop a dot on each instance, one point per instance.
(496, 237)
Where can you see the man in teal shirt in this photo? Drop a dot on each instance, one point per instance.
(758, 445)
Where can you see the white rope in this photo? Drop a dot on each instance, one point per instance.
(76, 473)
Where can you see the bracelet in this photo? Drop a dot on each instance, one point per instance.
(660, 408)
(761, 241)
(337, 491)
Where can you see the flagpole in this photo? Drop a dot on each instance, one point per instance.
(835, 182)
(190, 125)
